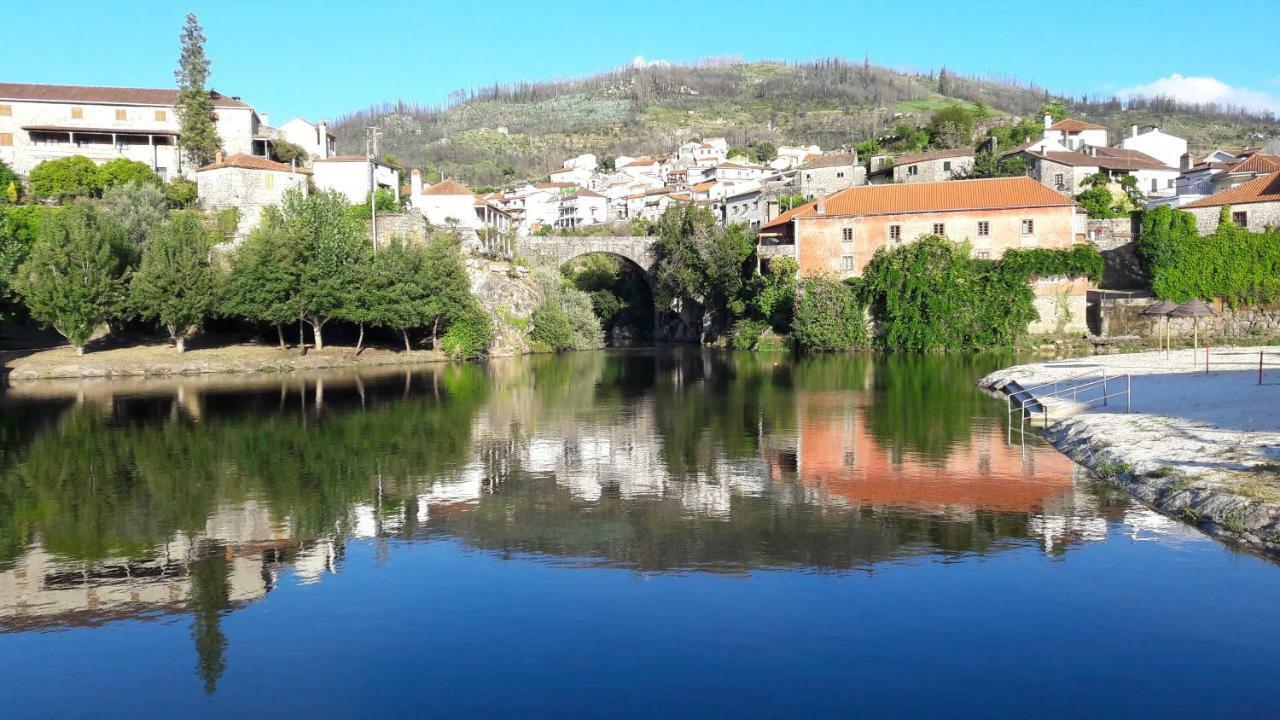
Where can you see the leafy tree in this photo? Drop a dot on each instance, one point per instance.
(176, 285)
(607, 163)
(951, 126)
(121, 171)
(199, 139)
(1056, 109)
(65, 179)
(828, 317)
(265, 276)
(790, 202)
(287, 152)
(139, 208)
(181, 193)
(1100, 203)
(10, 185)
(333, 250)
(564, 318)
(447, 285)
(775, 300)
(468, 336)
(867, 148)
(398, 293)
(987, 164)
(700, 263)
(763, 149)
(74, 278)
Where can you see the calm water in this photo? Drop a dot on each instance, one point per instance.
(600, 534)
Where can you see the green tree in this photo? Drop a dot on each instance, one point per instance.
(700, 264)
(397, 293)
(867, 148)
(265, 275)
(181, 193)
(333, 250)
(198, 136)
(564, 319)
(790, 202)
(1055, 109)
(65, 179)
(287, 152)
(139, 208)
(74, 278)
(10, 185)
(447, 285)
(121, 171)
(775, 301)
(828, 317)
(176, 285)
(951, 126)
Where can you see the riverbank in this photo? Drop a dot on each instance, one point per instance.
(162, 360)
(1201, 447)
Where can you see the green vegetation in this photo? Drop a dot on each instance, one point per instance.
(181, 193)
(265, 271)
(619, 295)
(1241, 267)
(702, 266)
(121, 171)
(10, 185)
(287, 152)
(565, 319)
(829, 317)
(1101, 203)
(198, 132)
(175, 285)
(65, 179)
(139, 209)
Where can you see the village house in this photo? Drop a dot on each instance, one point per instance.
(745, 205)
(829, 174)
(790, 157)
(932, 166)
(575, 175)
(1072, 134)
(582, 207)
(314, 138)
(47, 122)
(1255, 205)
(1168, 149)
(651, 204)
(1067, 171)
(247, 183)
(351, 174)
(837, 235)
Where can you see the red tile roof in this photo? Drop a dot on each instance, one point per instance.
(252, 162)
(985, 194)
(1258, 163)
(1260, 189)
(103, 95)
(1073, 125)
(1106, 158)
(933, 155)
(447, 187)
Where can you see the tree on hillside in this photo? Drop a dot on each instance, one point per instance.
(700, 263)
(123, 170)
(176, 286)
(73, 280)
(198, 137)
(287, 152)
(951, 126)
(65, 179)
(1055, 109)
(265, 275)
(139, 208)
(333, 250)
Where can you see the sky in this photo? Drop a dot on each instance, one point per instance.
(323, 58)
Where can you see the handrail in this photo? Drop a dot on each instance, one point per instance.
(1061, 380)
(1058, 392)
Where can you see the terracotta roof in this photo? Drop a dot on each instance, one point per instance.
(641, 161)
(448, 186)
(985, 194)
(103, 95)
(1257, 163)
(558, 171)
(1260, 189)
(703, 186)
(252, 162)
(1073, 125)
(824, 161)
(104, 131)
(933, 155)
(1106, 158)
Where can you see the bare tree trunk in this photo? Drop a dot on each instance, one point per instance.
(180, 343)
(79, 349)
(280, 335)
(317, 330)
(360, 340)
(435, 326)
(406, 340)
(302, 337)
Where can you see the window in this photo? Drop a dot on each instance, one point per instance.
(77, 113)
(895, 232)
(161, 115)
(946, 165)
(1154, 184)
(1240, 218)
(6, 139)
(939, 229)
(1028, 227)
(984, 228)
(846, 234)
(270, 181)
(984, 254)
(1171, 183)
(839, 174)
(122, 114)
(913, 170)
(1059, 181)
(846, 262)
(6, 110)
(808, 176)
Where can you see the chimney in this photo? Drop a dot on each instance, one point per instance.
(1133, 131)
(821, 207)
(1184, 162)
(323, 131)
(1048, 121)
(265, 118)
(415, 183)
(217, 156)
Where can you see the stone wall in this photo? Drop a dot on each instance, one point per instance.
(1123, 316)
(1114, 240)
(509, 295)
(821, 181)
(1259, 216)
(411, 226)
(1060, 314)
(560, 249)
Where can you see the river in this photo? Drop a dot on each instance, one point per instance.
(622, 533)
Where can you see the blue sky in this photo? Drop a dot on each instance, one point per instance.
(323, 58)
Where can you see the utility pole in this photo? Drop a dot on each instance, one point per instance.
(371, 152)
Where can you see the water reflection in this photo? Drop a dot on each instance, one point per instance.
(139, 499)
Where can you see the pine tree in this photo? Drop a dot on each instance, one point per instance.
(198, 134)
(73, 280)
(176, 285)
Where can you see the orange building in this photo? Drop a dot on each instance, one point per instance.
(837, 235)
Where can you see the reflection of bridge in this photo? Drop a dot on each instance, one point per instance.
(560, 249)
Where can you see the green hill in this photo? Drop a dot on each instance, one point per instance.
(506, 133)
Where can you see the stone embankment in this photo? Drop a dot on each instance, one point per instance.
(1201, 447)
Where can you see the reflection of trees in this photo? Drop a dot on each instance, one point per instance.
(210, 589)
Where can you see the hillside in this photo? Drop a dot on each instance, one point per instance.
(505, 133)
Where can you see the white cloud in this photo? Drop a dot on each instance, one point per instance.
(639, 62)
(1202, 89)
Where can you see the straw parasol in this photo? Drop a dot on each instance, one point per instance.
(1162, 307)
(1194, 309)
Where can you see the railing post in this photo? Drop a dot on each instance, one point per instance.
(1128, 393)
(1259, 367)
(1104, 388)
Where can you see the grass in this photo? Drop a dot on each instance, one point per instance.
(1111, 468)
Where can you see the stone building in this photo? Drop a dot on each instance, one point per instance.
(47, 122)
(830, 173)
(1067, 171)
(932, 166)
(1254, 205)
(247, 183)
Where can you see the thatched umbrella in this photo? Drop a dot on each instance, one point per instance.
(1163, 308)
(1194, 309)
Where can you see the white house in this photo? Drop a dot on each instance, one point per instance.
(1168, 149)
(247, 183)
(448, 202)
(1067, 171)
(583, 207)
(585, 161)
(315, 138)
(1074, 134)
(351, 174)
(46, 122)
(575, 175)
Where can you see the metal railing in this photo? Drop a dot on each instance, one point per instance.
(1083, 390)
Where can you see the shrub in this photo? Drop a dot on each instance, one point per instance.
(121, 171)
(1239, 266)
(745, 334)
(551, 327)
(10, 185)
(181, 193)
(828, 317)
(469, 336)
(65, 179)
(565, 318)
(139, 208)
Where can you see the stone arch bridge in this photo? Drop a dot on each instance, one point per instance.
(560, 249)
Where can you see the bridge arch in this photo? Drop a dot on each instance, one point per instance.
(635, 252)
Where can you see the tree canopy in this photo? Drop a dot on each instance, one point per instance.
(175, 285)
